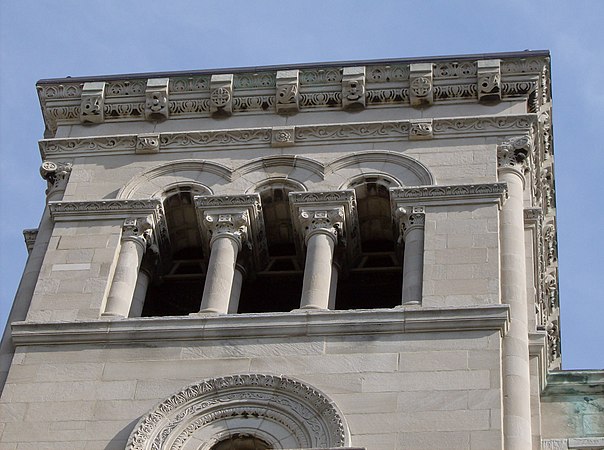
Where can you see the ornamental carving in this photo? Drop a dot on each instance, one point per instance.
(30, 238)
(147, 143)
(221, 94)
(139, 230)
(56, 176)
(233, 224)
(92, 102)
(287, 96)
(156, 99)
(515, 153)
(420, 130)
(410, 218)
(420, 84)
(283, 136)
(489, 80)
(328, 221)
(273, 406)
(353, 87)
(469, 193)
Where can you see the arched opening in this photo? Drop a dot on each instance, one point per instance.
(278, 286)
(178, 282)
(375, 279)
(240, 441)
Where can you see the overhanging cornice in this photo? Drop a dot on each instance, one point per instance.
(443, 128)
(200, 327)
(102, 209)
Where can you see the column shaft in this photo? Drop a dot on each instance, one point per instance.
(516, 371)
(333, 286)
(236, 290)
(413, 266)
(221, 271)
(125, 277)
(317, 270)
(140, 293)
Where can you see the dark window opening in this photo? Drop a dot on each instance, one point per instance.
(239, 441)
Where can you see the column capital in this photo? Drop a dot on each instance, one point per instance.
(410, 218)
(238, 217)
(514, 154)
(56, 175)
(139, 230)
(330, 212)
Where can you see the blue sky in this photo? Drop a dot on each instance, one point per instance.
(45, 39)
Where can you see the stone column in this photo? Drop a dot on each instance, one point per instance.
(229, 232)
(320, 238)
(411, 221)
(238, 277)
(513, 157)
(333, 286)
(136, 237)
(56, 176)
(145, 275)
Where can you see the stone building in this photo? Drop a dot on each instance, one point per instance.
(338, 255)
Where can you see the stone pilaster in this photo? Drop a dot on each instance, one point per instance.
(411, 221)
(137, 235)
(513, 163)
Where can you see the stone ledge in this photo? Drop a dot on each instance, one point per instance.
(310, 323)
(574, 382)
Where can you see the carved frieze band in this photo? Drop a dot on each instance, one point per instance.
(283, 136)
(102, 209)
(460, 193)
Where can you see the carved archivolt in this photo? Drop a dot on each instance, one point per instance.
(283, 412)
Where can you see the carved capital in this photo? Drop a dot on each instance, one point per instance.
(410, 218)
(139, 230)
(221, 94)
(56, 174)
(30, 236)
(238, 217)
(147, 143)
(488, 74)
(92, 102)
(283, 136)
(353, 87)
(156, 99)
(326, 221)
(421, 86)
(420, 129)
(514, 153)
(287, 97)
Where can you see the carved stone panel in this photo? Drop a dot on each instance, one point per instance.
(420, 129)
(221, 94)
(147, 143)
(156, 99)
(421, 86)
(93, 102)
(353, 87)
(283, 136)
(288, 92)
(489, 80)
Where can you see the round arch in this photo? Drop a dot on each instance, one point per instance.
(280, 411)
(154, 182)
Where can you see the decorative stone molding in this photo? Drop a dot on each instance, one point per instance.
(283, 136)
(239, 216)
(147, 143)
(103, 209)
(369, 131)
(30, 236)
(420, 129)
(514, 153)
(353, 87)
(92, 103)
(489, 80)
(56, 176)
(287, 97)
(297, 413)
(451, 194)
(421, 87)
(221, 94)
(156, 99)
(332, 212)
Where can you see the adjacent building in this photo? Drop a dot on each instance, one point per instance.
(335, 255)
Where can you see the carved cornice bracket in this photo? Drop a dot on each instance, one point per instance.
(353, 88)
(287, 91)
(420, 129)
(239, 217)
(92, 103)
(421, 84)
(221, 94)
(488, 80)
(331, 212)
(147, 143)
(156, 99)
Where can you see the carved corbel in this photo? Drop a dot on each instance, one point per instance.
(288, 91)
(420, 129)
(56, 175)
(421, 86)
(147, 143)
(221, 94)
(515, 153)
(353, 88)
(93, 102)
(156, 95)
(488, 80)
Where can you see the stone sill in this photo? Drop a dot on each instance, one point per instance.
(198, 327)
